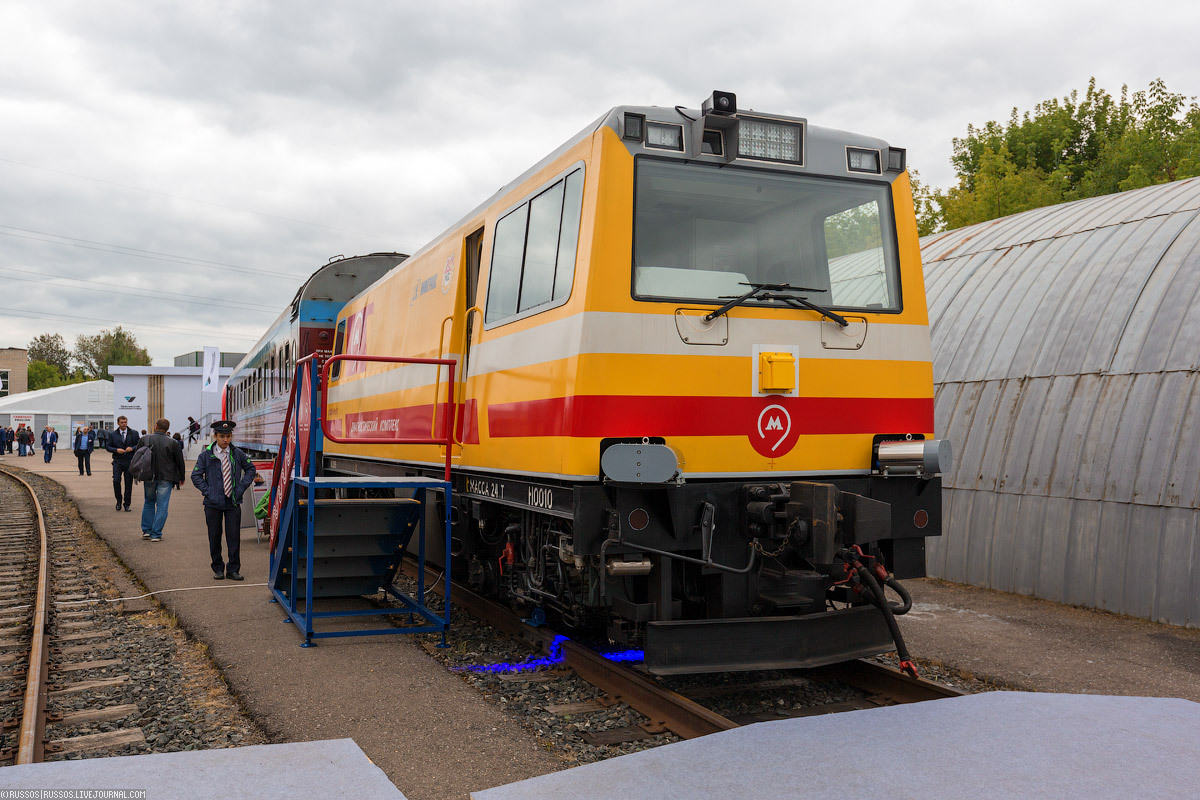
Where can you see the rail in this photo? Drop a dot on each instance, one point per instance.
(670, 710)
(33, 714)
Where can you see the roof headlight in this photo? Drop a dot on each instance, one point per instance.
(770, 140)
(634, 127)
(860, 159)
(664, 136)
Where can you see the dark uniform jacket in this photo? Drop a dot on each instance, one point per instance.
(168, 457)
(207, 476)
(114, 444)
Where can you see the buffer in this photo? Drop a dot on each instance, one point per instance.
(345, 536)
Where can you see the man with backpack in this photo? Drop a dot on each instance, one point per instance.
(158, 463)
(222, 474)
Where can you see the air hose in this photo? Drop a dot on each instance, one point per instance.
(874, 593)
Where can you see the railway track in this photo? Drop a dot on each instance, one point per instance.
(50, 685)
(683, 715)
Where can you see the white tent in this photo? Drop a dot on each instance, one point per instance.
(64, 407)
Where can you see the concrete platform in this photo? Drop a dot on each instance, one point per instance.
(994, 745)
(334, 768)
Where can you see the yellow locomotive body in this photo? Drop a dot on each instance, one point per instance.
(588, 305)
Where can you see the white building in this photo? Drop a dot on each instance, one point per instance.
(63, 407)
(146, 394)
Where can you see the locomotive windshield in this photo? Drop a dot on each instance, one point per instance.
(701, 233)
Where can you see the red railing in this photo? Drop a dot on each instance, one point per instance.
(449, 420)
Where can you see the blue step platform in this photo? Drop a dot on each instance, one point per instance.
(352, 543)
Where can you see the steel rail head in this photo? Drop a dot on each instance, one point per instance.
(33, 716)
(671, 710)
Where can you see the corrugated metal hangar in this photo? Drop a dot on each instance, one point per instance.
(1066, 344)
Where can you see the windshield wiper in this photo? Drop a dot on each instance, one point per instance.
(770, 291)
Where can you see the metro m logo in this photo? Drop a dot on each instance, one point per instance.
(772, 436)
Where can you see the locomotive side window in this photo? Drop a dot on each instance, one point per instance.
(504, 284)
(702, 234)
(339, 346)
(533, 251)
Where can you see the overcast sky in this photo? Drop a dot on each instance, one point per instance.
(223, 150)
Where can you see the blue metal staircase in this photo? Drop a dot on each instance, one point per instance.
(350, 544)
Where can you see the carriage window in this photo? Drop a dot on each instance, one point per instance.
(339, 344)
(533, 252)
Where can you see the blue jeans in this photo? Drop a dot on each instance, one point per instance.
(49, 452)
(154, 510)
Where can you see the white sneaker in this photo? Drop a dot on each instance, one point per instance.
(145, 536)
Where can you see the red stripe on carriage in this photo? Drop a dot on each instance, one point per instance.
(598, 416)
(410, 422)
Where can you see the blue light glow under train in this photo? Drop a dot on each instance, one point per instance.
(556, 656)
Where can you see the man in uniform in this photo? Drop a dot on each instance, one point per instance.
(121, 443)
(222, 474)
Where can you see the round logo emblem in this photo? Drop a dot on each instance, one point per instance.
(773, 433)
(447, 273)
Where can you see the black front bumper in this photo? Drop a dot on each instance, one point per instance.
(749, 643)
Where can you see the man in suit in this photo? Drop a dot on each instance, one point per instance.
(49, 442)
(121, 443)
(83, 443)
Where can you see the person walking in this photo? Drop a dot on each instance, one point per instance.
(193, 430)
(22, 441)
(121, 443)
(222, 474)
(49, 442)
(169, 469)
(6, 442)
(83, 444)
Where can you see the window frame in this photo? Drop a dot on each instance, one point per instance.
(526, 200)
(890, 235)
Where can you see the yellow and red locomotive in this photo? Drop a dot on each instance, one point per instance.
(694, 386)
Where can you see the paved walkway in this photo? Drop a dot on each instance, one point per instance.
(435, 737)
(432, 734)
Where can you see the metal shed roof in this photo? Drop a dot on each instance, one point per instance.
(1066, 344)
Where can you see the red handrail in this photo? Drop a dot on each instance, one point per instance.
(448, 421)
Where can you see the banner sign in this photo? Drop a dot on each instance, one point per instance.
(21, 419)
(212, 363)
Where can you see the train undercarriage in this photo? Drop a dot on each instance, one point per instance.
(702, 576)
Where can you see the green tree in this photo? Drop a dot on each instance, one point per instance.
(50, 348)
(1069, 149)
(95, 354)
(43, 376)
(929, 211)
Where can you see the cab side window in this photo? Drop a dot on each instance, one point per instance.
(339, 347)
(533, 251)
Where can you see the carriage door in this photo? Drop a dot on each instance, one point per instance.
(472, 256)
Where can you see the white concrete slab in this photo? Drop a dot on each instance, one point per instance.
(994, 745)
(334, 768)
